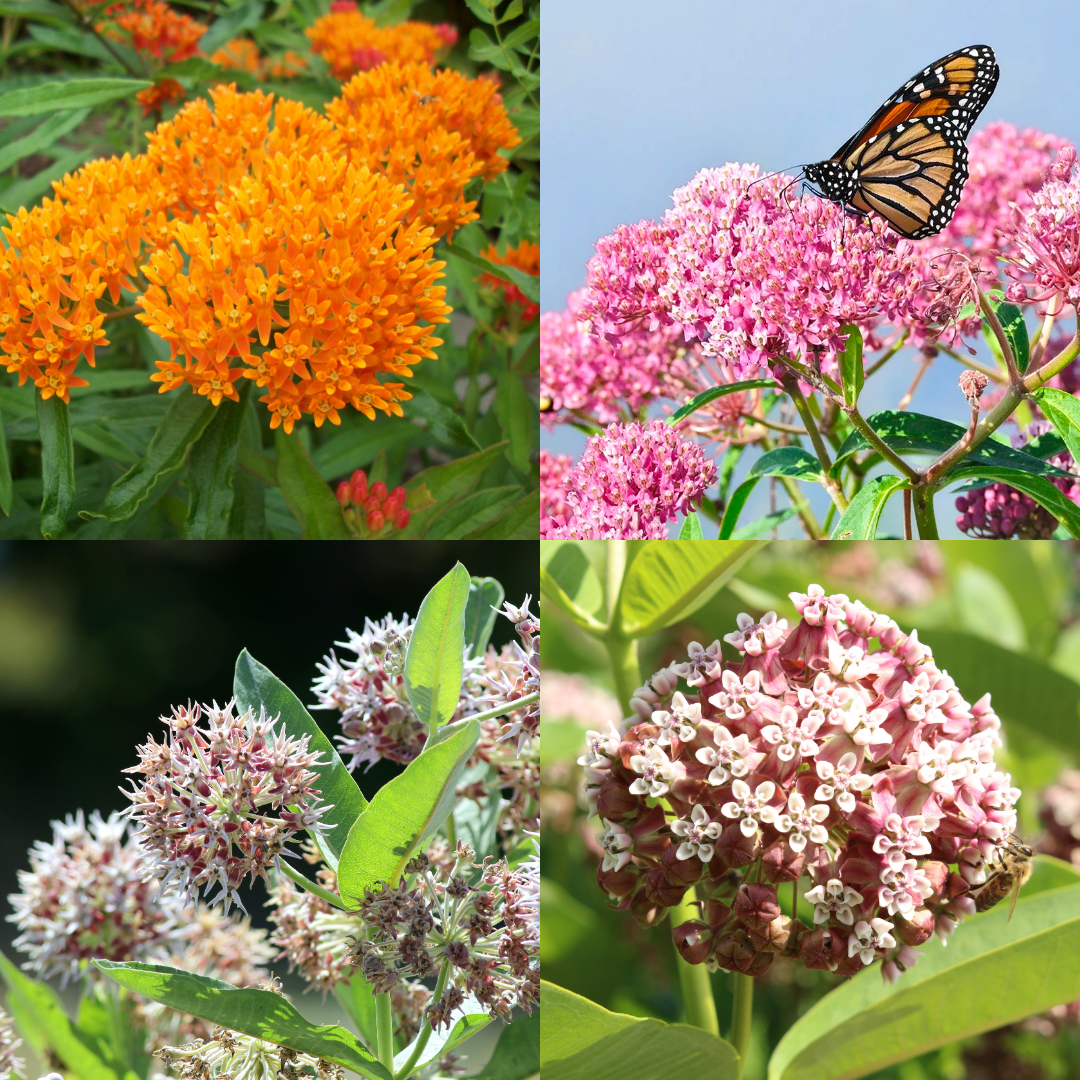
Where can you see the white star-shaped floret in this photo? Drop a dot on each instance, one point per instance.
(868, 937)
(751, 807)
(657, 771)
(603, 747)
(728, 758)
(802, 823)
(616, 842)
(833, 900)
(696, 833)
(840, 780)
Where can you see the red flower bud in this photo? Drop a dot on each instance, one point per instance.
(735, 849)
(916, 930)
(779, 863)
(375, 520)
(358, 483)
(618, 883)
(936, 873)
(774, 936)
(343, 493)
(401, 519)
(822, 949)
(756, 905)
(378, 489)
(694, 941)
(735, 951)
(661, 891)
(614, 802)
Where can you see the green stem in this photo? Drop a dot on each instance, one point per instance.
(451, 832)
(425, 1030)
(384, 1031)
(505, 707)
(922, 498)
(741, 1012)
(876, 441)
(623, 654)
(694, 978)
(316, 890)
(832, 486)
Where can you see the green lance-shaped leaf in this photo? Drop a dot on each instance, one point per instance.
(569, 580)
(405, 812)
(260, 1013)
(38, 1010)
(788, 461)
(1039, 488)
(57, 466)
(994, 972)
(582, 1041)
(481, 610)
(519, 521)
(185, 421)
(434, 662)
(860, 520)
(517, 415)
(1063, 411)
(41, 138)
(77, 94)
(671, 579)
(766, 524)
(211, 469)
(446, 485)
(701, 400)
(851, 363)
(256, 687)
(307, 494)
(357, 999)
(529, 284)
(6, 489)
(1012, 323)
(691, 528)
(517, 1053)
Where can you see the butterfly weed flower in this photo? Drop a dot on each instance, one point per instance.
(524, 256)
(202, 805)
(833, 752)
(10, 1065)
(84, 898)
(631, 481)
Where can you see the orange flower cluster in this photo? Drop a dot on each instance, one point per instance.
(153, 27)
(432, 131)
(242, 54)
(350, 41)
(164, 92)
(526, 256)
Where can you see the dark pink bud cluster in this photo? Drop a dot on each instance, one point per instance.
(834, 751)
(1059, 812)
(202, 806)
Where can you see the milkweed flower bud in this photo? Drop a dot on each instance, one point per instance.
(201, 809)
(834, 750)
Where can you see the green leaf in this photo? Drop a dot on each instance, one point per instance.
(211, 469)
(476, 822)
(106, 1023)
(731, 458)
(444, 1040)
(691, 528)
(481, 10)
(516, 413)
(582, 1041)
(529, 284)
(472, 512)
(1038, 487)
(481, 610)
(256, 687)
(5, 472)
(357, 443)
(260, 1013)
(247, 520)
(77, 94)
(41, 138)
(784, 461)
(405, 812)
(185, 421)
(1063, 411)
(517, 1053)
(434, 661)
(851, 363)
(1026, 692)
(671, 579)
(994, 972)
(307, 494)
(44, 10)
(57, 466)
(447, 484)
(714, 392)
(522, 34)
(860, 520)
(1012, 323)
(519, 521)
(445, 425)
(232, 24)
(27, 192)
(765, 524)
(37, 1006)
(358, 1001)
(78, 42)
(569, 580)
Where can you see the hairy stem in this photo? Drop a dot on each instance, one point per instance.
(741, 1012)
(306, 883)
(907, 513)
(694, 978)
(384, 1031)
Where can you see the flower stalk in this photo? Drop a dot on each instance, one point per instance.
(741, 1013)
(694, 982)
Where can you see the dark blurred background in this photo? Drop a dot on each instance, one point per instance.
(98, 640)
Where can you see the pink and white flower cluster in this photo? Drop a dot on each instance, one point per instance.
(834, 750)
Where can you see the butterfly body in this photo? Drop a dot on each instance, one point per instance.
(908, 163)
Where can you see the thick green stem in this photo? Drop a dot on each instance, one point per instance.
(316, 890)
(425, 1030)
(384, 1031)
(624, 667)
(922, 497)
(694, 978)
(741, 1013)
(505, 707)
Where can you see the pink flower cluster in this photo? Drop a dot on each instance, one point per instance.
(554, 469)
(1059, 813)
(835, 750)
(630, 482)
(588, 374)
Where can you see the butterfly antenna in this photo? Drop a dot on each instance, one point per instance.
(768, 176)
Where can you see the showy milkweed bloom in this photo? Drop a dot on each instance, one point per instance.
(525, 256)
(849, 757)
(631, 481)
(10, 1065)
(350, 41)
(432, 131)
(202, 807)
(84, 898)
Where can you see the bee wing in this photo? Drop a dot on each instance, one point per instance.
(1013, 897)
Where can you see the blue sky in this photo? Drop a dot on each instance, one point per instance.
(639, 95)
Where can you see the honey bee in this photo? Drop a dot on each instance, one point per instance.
(1010, 868)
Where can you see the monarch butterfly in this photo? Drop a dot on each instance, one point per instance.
(908, 163)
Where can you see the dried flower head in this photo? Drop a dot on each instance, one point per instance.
(85, 898)
(202, 805)
(835, 749)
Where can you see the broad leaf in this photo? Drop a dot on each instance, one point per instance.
(434, 662)
(519, 521)
(307, 494)
(517, 1053)
(788, 461)
(445, 425)
(994, 972)
(1038, 487)
(446, 484)
(765, 524)
(211, 469)
(475, 821)
(260, 1013)
(1012, 323)
(860, 520)
(569, 580)
(671, 579)
(405, 812)
(517, 415)
(851, 363)
(691, 528)
(77, 94)
(714, 392)
(471, 1017)
(57, 466)
(582, 1041)
(243, 16)
(1063, 411)
(473, 512)
(481, 610)
(256, 687)
(358, 1001)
